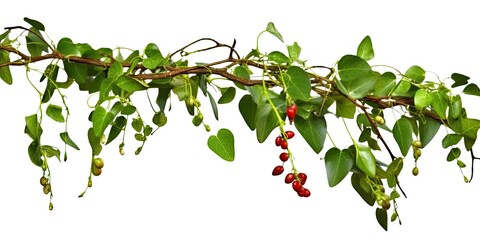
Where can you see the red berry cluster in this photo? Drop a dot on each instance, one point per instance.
(297, 180)
(297, 183)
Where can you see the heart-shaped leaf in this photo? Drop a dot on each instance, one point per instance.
(338, 164)
(223, 144)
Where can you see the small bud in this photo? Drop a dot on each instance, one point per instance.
(103, 139)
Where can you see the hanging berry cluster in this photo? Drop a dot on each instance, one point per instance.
(295, 178)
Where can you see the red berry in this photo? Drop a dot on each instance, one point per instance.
(284, 144)
(289, 178)
(306, 193)
(290, 134)
(278, 141)
(301, 191)
(291, 112)
(277, 170)
(303, 178)
(296, 185)
(284, 156)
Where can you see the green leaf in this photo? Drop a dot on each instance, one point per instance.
(455, 107)
(128, 109)
(77, 71)
(294, 52)
(416, 73)
(273, 30)
(94, 142)
(152, 51)
(50, 151)
(459, 79)
(55, 113)
(402, 88)
(223, 144)
(4, 35)
(242, 72)
(162, 97)
(472, 89)
(5, 73)
(154, 62)
(402, 132)
(351, 68)
(228, 95)
(467, 127)
(365, 49)
(365, 135)
(278, 57)
(428, 128)
(265, 121)
(365, 160)
(160, 119)
(451, 139)
(66, 47)
(101, 119)
(440, 104)
(137, 124)
(115, 70)
(51, 73)
(338, 164)
(382, 218)
(393, 170)
(313, 130)
(422, 99)
(35, 45)
(117, 127)
(297, 83)
(130, 84)
(35, 24)
(362, 86)
(362, 187)
(248, 109)
(213, 104)
(34, 153)
(67, 140)
(105, 88)
(33, 128)
(385, 84)
(344, 107)
(454, 154)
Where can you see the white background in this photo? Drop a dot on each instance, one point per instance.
(177, 188)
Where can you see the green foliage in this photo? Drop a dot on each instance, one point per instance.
(276, 88)
(338, 164)
(223, 144)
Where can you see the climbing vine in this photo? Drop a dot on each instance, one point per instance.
(278, 91)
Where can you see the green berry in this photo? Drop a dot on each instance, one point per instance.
(415, 171)
(43, 181)
(98, 163)
(47, 188)
(379, 119)
(96, 171)
(417, 144)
